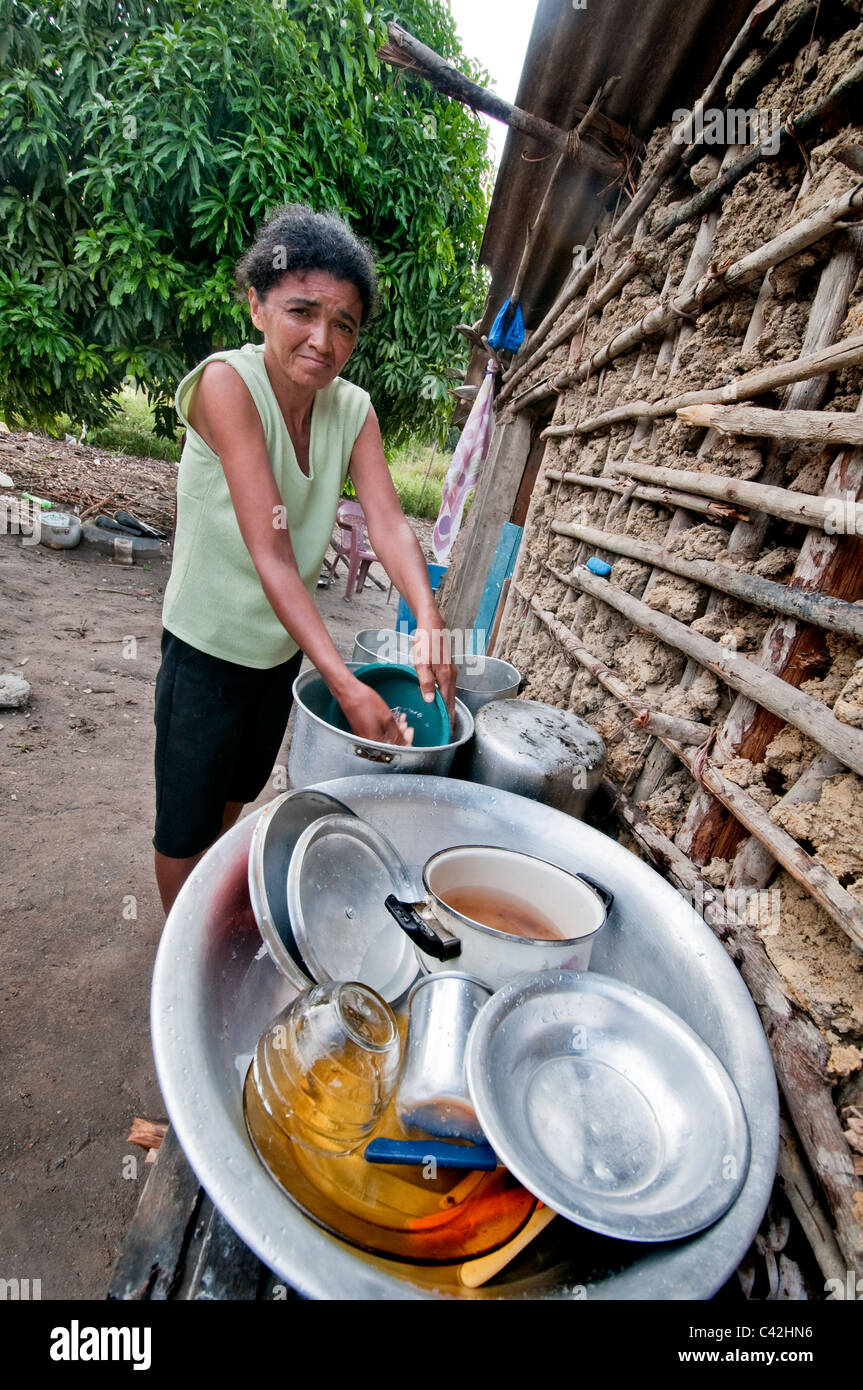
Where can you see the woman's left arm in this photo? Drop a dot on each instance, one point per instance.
(398, 550)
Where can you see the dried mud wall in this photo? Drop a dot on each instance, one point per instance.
(765, 322)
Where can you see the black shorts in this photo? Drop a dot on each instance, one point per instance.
(219, 727)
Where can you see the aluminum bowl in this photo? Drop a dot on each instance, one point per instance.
(215, 989)
(482, 679)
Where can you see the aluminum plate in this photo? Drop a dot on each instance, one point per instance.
(607, 1106)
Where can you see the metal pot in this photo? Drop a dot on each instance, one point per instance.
(482, 679)
(383, 644)
(572, 906)
(320, 752)
(536, 750)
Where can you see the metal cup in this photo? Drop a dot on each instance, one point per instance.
(433, 1095)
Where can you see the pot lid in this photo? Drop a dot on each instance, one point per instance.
(539, 735)
(273, 842)
(340, 873)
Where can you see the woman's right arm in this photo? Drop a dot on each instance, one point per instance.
(223, 413)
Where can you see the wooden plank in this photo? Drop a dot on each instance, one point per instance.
(225, 1268)
(492, 505)
(150, 1263)
(502, 567)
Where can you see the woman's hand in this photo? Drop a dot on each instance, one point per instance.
(398, 549)
(432, 658)
(370, 717)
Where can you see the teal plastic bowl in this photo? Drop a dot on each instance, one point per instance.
(399, 687)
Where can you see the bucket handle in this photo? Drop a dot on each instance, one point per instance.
(434, 940)
(604, 894)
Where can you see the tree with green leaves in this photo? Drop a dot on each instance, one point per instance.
(143, 141)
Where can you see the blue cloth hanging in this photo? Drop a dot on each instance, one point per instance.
(507, 331)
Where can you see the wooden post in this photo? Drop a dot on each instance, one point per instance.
(491, 507)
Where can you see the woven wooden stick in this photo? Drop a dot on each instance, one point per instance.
(672, 152)
(804, 508)
(668, 497)
(711, 287)
(827, 891)
(826, 564)
(754, 865)
(729, 178)
(614, 284)
(847, 353)
(805, 426)
(798, 1188)
(787, 702)
(834, 614)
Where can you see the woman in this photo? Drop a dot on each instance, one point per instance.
(272, 432)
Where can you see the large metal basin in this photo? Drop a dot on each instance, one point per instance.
(215, 989)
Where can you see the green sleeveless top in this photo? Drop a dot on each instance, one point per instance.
(214, 599)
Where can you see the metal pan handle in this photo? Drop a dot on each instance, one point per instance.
(605, 894)
(373, 755)
(435, 941)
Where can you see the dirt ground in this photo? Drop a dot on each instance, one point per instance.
(78, 899)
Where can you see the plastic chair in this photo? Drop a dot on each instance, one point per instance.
(353, 547)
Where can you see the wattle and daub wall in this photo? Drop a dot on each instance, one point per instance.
(769, 320)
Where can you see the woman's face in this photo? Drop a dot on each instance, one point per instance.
(310, 323)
